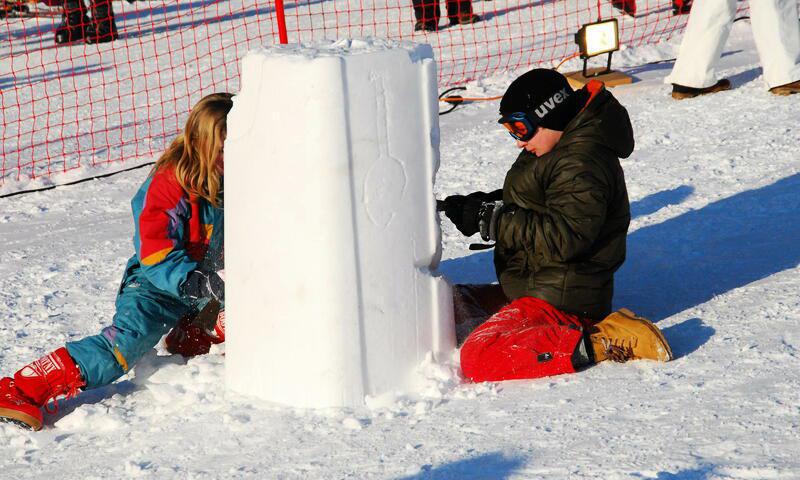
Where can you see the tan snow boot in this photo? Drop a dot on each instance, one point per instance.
(680, 92)
(624, 336)
(786, 89)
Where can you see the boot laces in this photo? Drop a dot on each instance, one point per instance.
(70, 390)
(618, 350)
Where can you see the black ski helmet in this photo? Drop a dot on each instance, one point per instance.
(545, 96)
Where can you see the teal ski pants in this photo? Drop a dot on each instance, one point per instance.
(144, 314)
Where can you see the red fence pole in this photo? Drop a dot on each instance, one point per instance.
(284, 39)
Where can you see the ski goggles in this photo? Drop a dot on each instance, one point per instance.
(519, 126)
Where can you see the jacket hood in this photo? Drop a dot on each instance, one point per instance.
(603, 121)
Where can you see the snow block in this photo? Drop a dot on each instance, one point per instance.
(332, 235)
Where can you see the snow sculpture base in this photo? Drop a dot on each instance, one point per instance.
(332, 237)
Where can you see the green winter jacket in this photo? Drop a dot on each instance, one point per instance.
(561, 236)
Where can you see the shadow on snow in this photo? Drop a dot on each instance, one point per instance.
(495, 466)
(687, 260)
(656, 201)
(23, 81)
(699, 473)
(146, 367)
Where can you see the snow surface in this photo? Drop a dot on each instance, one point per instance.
(713, 258)
(339, 154)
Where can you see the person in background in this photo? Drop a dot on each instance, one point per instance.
(681, 7)
(559, 225)
(459, 12)
(176, 271)
(776, 33)
(77, 26)
(628, 7)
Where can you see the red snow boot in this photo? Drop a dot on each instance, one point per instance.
(16, 408)
(189, 338)
(22, 397)
(681, 7)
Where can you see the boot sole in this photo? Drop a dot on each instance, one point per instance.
(715, 89)
(653, 328)
(72, 42)
(20, 419)
(65, 40)
(107, 39)
(784, 92)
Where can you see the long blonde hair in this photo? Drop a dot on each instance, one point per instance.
(194, 152)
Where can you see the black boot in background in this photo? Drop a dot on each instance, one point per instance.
(460, 12)
(102, 29)
(74, 22)
(426, 13)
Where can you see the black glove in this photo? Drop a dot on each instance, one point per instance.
(488, 218)
(201, 284)
(463, 210)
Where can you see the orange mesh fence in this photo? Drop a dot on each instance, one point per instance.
(69, 108)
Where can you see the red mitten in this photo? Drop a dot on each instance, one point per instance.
(190, 339)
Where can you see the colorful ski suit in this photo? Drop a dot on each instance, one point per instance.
(174, 235)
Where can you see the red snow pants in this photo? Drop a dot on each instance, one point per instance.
(528, 338)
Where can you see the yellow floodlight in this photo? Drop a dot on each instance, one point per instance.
(596, 39)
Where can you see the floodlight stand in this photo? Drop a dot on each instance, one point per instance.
(597, 72)
(610, 78)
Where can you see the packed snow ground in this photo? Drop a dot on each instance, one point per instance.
(713, 258)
